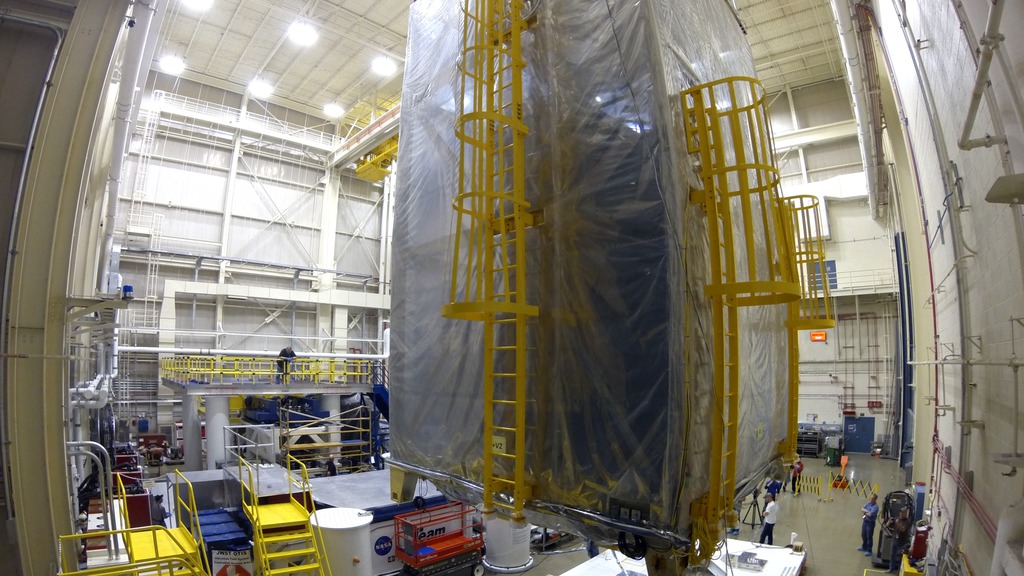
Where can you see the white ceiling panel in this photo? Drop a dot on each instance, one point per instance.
(794, 43)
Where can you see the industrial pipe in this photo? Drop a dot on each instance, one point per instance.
(142, 14)
(989, 42)
(12, 242)
(244, 353)
(851, 58)
(112, 518)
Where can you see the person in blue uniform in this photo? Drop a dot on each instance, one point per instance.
(867, 528)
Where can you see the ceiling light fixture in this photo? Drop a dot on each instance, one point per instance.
(302, 33)
(172, 64)
(260, 89)
(383, 66)
(333, 110)
(198, 5)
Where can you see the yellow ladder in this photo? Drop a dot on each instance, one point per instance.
(489, 255)
(726, 125)
(285, 540)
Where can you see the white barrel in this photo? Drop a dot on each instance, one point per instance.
(346, 539)
(508, 546)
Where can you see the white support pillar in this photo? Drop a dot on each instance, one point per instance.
(192, 433)
(216, 420)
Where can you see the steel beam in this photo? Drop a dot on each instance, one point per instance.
(816, 135)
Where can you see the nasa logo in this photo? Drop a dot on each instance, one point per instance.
(382, 546)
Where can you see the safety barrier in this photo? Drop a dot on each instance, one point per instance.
(234, 369)
(839, 483)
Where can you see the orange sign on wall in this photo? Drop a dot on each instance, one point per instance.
(819, 336)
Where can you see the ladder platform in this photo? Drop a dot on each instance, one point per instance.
(281, 515)
(171, 542)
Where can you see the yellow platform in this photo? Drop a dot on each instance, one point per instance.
(168, 543)
(281, 515)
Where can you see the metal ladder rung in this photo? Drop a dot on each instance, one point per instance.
(503, 428)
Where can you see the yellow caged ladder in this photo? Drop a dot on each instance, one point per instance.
(813, 311)
(489, 254)
(727, 127)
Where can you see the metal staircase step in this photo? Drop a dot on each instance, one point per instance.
(314, 567)
(290, 553)
(288, 536)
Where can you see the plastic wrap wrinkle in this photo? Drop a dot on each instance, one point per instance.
(620, 356)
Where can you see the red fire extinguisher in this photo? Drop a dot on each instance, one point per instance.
(919, 546)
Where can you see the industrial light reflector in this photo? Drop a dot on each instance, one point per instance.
(333, 110)
(383, 66)
(172, 64)
(197, 5)
(302, 33)
(260, 89)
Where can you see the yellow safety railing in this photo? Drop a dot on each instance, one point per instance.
(173, 560)
(751, 261)
(489, 253)
(223, 370)
(376, 165)
(188, 509)
(839, 483)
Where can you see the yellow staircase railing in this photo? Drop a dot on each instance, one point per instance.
(489, 256)
(174, 559)
(285, 540)
(187, 509)
(751, 262)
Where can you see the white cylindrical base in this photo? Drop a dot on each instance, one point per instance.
(508, 546)
(192, 432)
(216, 420)
(346, 540)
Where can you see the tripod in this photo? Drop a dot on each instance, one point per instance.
(753, 512)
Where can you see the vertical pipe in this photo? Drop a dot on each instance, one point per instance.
(131, 64)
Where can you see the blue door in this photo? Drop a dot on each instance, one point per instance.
(859, 433)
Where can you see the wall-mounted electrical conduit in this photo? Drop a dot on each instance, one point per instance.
(488, 263)
(813, 311)
(726, 124)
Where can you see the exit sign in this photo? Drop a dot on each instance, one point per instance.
(819, 336)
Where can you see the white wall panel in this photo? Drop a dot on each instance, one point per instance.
(270, 201)
(258, 240)
(175, 185)
(992, 292)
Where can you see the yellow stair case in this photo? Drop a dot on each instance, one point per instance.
(152, 550)
(285, 540)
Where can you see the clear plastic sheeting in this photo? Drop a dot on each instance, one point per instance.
(620, 358)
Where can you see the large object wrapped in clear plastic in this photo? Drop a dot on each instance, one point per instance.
(620, 358)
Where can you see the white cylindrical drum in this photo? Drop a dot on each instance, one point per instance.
(508, 546)
(346, 539)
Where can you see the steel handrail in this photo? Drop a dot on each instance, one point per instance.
(193, 514)
(154, 531)
(307, 495)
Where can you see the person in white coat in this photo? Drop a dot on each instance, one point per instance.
(771, 515)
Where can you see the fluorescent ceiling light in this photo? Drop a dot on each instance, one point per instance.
(198, 5)
(333, 110)
(383, 66)
(260, 89)
(172, 64)
(302, 33)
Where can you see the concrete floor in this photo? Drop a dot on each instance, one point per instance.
(829, 530)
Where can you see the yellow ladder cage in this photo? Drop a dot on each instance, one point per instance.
(813, 311)
(751, 260)
(489, 254)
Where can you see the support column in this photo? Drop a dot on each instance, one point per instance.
(192, 433)
(216, 420)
